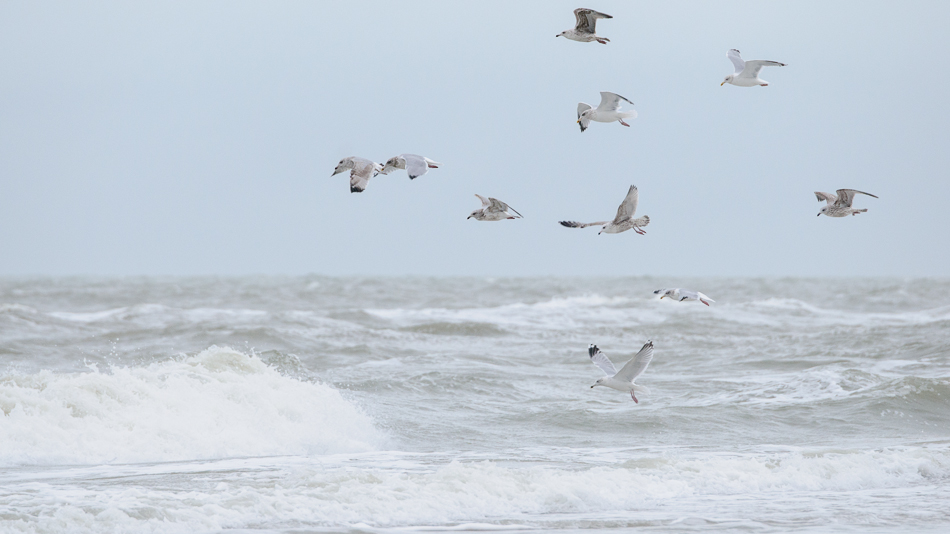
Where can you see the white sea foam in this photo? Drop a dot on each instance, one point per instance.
(219, 403)
(371, 492)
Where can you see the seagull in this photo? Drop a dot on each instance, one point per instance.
(584, 29)
(605, 112)
(680, 294)
(415, 165)
(840, 205)
(624, 219)
(361, 170)
(747, 72)
(493, 210)
(623, 380)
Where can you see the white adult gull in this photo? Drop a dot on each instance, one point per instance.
(747, 72)
(680, 294)
(624, 219)
(415, 165)
(840, 205)
(493, 210)
(607, 111)
(586, 26)
(361, 170)
(622, 380)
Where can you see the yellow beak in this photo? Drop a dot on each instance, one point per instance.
(578, 121)
(723, 83)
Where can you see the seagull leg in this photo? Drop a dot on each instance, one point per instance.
(621, 122)
(634, 397)
(602, 40)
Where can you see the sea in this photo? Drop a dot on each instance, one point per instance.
(414, 404)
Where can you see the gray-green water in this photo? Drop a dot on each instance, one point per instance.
(376, 404)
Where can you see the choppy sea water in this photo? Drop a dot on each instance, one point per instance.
(318, 404)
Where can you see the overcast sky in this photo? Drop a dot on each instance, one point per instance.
(199, 137)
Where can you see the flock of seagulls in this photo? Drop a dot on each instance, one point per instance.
(746, 75)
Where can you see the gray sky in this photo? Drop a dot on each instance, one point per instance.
(199, 137)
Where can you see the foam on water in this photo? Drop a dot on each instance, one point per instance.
(335, 492)
(219, 403)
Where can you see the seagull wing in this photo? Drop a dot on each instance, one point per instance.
(485, 201)
(736, 60)
(635, 367)
(581, 108)
(360, 175)
(753, 67)
(587, 19)
(575, 224)
(629, 205)
(827, 197)
(601, 360)
(610, 101)
(416, 166)
(500, 207)
(846, 196)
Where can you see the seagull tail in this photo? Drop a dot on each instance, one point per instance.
(640, 389)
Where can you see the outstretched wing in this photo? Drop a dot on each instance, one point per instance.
(601, 360)
(610, 101)
(629, 205)
(753, 67)
(500, 207)
(587, 19)
(827, 197)
(360, 175)
(415, 165)
(575, 224)
(485, 201)
(637, 365)
(846, 196)
(736, 60)
(581, 108)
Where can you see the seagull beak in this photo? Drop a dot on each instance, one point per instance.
(578, 121)
(592, 387)
(723, 83)
(819, 215)
(661, 297)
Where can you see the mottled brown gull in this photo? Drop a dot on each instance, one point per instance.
(586, 26)
(623, 221)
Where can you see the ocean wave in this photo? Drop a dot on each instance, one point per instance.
(378, 493)
(219, 403)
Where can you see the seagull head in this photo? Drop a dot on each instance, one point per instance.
(599, 382)
(560, 34)
(727, 80)
(341, 166)
(473, 214)
(822, 210)
(585, 115)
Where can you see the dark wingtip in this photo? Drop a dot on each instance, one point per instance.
(592, 350)
(355, 190)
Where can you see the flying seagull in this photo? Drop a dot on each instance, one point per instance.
(493, 210)
(747, 72)
(840, 205)
(415, 165)
(680, 294)
(584, 29)
(361, 170)
(606, 111)
(624, 219)
(624, 379)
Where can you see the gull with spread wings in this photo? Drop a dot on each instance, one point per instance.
(840, 205)
(622, 380)
(747, 72)
(586, 26)
(361, 170)
(624, 219)
(607, 111)
(415, 165)
(493, 210)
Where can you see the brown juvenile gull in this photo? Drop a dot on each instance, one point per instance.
(606, 111)
(361, 170)
(681, 294)
(493, 210)
(840, 205)
(585, 27)
(415, 165)
(624, 219)
(622, 380)
(747, 72)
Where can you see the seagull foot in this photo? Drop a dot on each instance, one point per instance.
(621, 122)
(632, 396)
